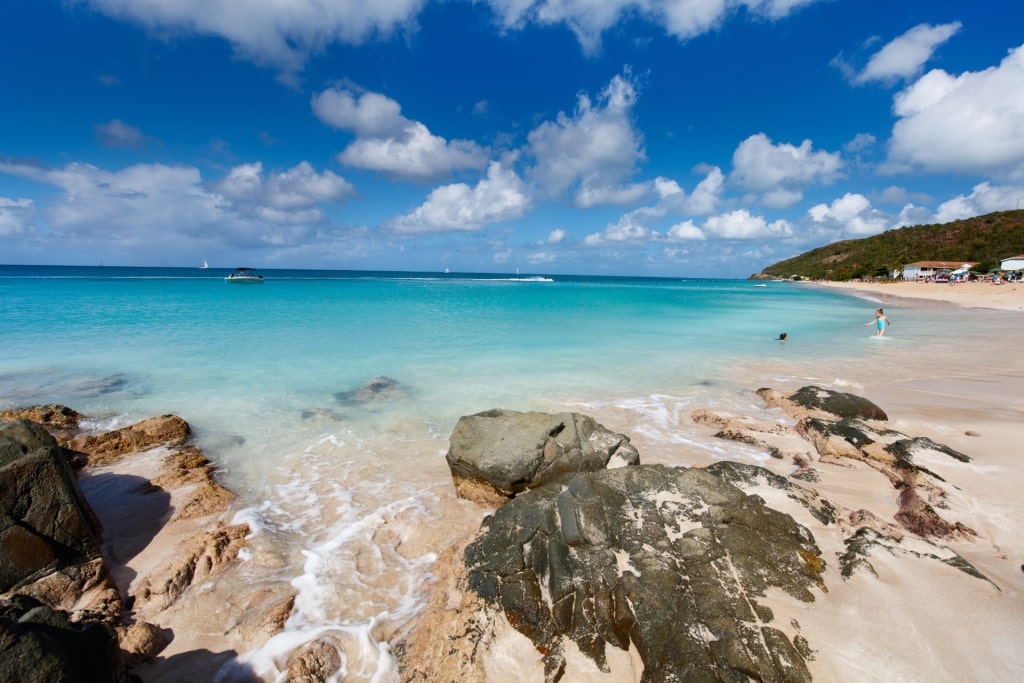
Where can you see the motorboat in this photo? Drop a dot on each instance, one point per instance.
(244, 276)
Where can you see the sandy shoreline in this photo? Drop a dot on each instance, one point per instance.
(1009, 297)
(908, 623)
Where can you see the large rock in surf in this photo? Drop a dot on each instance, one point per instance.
(672, 561)
(45, 523)
(497, 454)
(812, 400)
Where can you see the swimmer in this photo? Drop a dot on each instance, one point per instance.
(880, 322)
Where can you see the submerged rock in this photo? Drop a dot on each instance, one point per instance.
(373, 391)
(671, 561)
(497, 454)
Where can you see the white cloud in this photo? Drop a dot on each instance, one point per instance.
(457, 207)
(626, 230)
(971, 123)
(742, 225)
(556, 236)
(298, 188)
(15, 216)
(156, 204)
(589, 19)
(283, 35)
(388, 142)
(120, 135)
(270, 32)
(685, 231)
(851, 214)
(984, 198)
(591, 152)
(781, 171)
(541, 258)
(905, 56)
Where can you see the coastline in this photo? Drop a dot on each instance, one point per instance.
(1008, 297)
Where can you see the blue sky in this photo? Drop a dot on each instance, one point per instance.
(692, 138)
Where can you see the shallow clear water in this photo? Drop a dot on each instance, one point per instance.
(354, 495)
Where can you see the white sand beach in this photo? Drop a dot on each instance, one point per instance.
(1008, 296)
(917, 619)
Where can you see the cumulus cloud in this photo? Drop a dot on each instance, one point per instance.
(742, 225)
(460, 208)
(276, 194)
(556, 236)
(684, 232)
(592, 152)
(971, 123)
(281, 35)
(148, 203)
(984, 198)
(388, 142)
(905, 56)
(780, 172)
(119, 135)
(589, 20)
(851, 214)
(625, 230)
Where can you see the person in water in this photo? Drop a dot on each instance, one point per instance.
(880, 322)
(782, 336)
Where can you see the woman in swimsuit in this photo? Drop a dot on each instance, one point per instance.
(880, 322)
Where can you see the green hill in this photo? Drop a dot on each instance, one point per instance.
(982, 239)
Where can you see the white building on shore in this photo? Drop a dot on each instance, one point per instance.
(1012, 263)
(923, 270)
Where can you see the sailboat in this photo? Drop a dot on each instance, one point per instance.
(205, 264)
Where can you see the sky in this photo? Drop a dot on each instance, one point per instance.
(679, 138)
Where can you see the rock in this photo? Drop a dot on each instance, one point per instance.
(189, 467)
(41, 645)
(497, 454)
(315, 662)
(373, 391)
(51, 416)
(193, 563)
(671, 561)
(141, 642)
(105, 448)
(45, 522)
(815, 400)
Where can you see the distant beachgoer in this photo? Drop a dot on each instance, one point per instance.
(782, 336)
(880, 322)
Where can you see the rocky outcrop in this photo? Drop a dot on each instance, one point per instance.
(41, 645)
(497, 454)
(102, 449)
(56, 559)
(812, 400)
(671, 561)
(45, 523)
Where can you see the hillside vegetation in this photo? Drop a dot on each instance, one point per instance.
(983, 239)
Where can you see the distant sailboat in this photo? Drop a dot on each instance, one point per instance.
(205, 264)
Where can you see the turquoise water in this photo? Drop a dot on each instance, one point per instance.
(265, 375)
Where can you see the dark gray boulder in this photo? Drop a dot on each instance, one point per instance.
(837, 403)
(41, 645)
(497, 454)
(671, 560)
(45, 522)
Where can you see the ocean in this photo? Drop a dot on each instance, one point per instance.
(326, 398)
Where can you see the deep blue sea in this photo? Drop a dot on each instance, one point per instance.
(269, 377)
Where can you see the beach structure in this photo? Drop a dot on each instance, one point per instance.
(922, 270)
(1012, 263)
